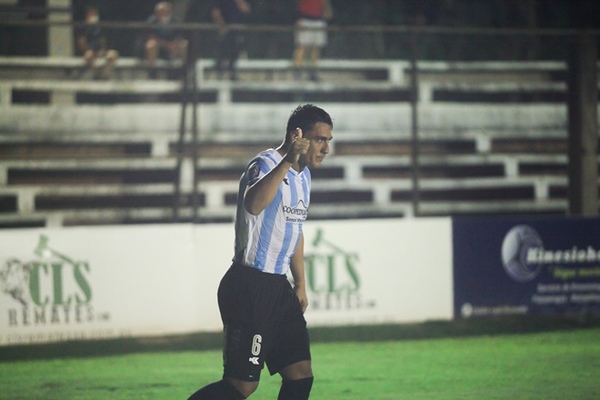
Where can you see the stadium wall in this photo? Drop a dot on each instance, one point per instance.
(150, 280)
(108, 282)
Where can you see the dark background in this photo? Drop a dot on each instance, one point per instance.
(502, 14)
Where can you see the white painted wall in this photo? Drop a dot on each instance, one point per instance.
(107, 282)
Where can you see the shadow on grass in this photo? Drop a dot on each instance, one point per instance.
(358, 333)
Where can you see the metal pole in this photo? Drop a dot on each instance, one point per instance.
(195, 133)
(414, 100)
(583, 127)
(182, 125)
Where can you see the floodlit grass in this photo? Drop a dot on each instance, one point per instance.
(542, 365)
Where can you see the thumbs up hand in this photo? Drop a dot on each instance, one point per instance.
(298, 147)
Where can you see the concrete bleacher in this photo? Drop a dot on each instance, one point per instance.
(73, 164)
(272, 80)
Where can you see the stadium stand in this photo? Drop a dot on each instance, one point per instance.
(492, 139)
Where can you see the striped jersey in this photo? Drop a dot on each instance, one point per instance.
(267, 241)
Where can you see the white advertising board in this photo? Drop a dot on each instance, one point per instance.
(378, 271)
(109, 282)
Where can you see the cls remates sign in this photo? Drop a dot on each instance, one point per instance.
(52, 288)
(333, 276)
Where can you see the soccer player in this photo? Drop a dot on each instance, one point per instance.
(263, 315)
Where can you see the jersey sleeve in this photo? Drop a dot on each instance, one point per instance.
(257, 168)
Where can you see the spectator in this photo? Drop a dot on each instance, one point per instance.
(91, 42)
(164, 42)
(229, 41)
(311, 34)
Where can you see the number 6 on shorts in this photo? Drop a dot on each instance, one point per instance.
(256, 345)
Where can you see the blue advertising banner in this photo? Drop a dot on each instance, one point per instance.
(526, 266)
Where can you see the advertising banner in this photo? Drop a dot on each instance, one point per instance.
(111, 282)
(378, 271)
(107, 282)
(526, 266)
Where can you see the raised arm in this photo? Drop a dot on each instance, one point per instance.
(259, 195)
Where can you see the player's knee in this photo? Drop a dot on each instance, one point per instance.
(295, 389)
(243, 387)
(297, 371)
(222, 389)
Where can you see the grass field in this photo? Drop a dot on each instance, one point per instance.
(435, 361)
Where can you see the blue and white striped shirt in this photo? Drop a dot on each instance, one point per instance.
(267, 241)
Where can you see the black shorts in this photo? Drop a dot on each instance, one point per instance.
(263, 322)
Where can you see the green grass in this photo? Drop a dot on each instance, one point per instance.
(534, 364)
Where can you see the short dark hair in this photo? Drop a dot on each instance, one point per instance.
(305, 117)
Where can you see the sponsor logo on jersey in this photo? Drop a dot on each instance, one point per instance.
(296, 213)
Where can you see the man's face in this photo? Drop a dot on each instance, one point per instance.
(319, 138)
(92, 17)
(163, 14)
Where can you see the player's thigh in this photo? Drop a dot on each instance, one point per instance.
(247, 300)
(245, 351)
(292, 343)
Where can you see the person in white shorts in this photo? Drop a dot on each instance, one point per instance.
(311, 35)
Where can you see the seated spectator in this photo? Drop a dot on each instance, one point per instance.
(91, 42)
(164, 42)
